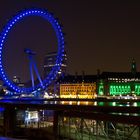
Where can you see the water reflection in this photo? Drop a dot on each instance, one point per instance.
(79, 103)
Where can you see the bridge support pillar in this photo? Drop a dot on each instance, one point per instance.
(55, 124)
(9, 121)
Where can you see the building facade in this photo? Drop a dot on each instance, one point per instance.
(119, 83)
(81, 87)
(78, 90)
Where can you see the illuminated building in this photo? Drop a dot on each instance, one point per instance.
(50, 62)
(17, 81)
(120, 83)
(78, 86)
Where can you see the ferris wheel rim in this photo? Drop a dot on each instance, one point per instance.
(60, 39)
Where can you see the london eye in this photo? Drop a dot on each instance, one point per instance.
(44, 83)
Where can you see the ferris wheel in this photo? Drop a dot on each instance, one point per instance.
(60, 41)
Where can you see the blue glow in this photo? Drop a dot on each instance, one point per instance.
(1, 109)
(57, 28)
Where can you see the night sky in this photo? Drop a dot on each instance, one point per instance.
(99, 35)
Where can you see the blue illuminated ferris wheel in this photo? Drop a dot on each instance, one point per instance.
(60, 39)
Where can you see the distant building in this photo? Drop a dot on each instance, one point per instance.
(17, 81)
(119, 83)
(78, 86)
(50, 62)
(102, 84)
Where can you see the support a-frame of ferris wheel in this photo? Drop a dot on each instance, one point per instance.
(32, 65)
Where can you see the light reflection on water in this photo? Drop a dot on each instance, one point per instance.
(125, 114)
(79, 103)
(99, 103)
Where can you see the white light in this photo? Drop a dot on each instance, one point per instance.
(86, 103)
(127, 105)
(95, 103)
(135, 104)
(78, 103)
(114, 103)
(70, 103)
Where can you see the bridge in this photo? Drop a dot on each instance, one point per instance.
(105, 115)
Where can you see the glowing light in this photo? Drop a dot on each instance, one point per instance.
(70, 102)
(95, 103)
(78, 103)
(114, 104)
(63, 102)
(119, 88)
(135, 104)
(86, 103)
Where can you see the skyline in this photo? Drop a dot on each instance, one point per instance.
(99, 35)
